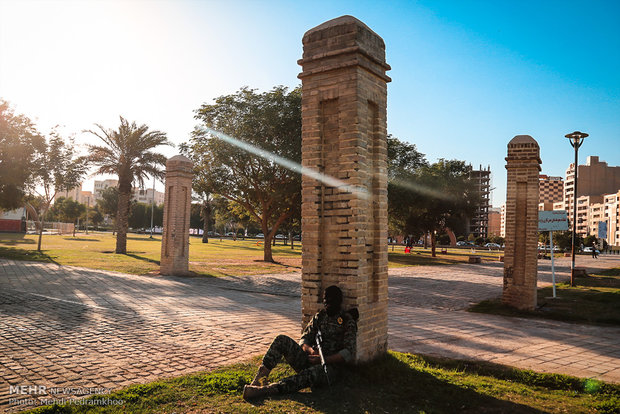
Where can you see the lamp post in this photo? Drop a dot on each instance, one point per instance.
(152, 207)
(576, 139)
(87, 208)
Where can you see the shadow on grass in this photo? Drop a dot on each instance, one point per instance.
(13, 242)
(81, 239)
(594, 300)
(413, 259)
(154, 239)
(14, 253)
(393, 386)
(146, 259)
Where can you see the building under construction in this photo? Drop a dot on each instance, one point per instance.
(479, 223)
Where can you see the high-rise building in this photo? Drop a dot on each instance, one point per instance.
(551, 189)
(594, 179)
(502, 224)
(495, 221)
(479, 223)
(102, 185)
(611, 216)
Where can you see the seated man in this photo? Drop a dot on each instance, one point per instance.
(338, 332)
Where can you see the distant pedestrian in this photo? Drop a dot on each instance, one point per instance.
(594, 253)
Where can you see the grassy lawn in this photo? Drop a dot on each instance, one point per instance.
(595, 300)
(217, 258)
(396, 383)
(96, 251)
(420, 256)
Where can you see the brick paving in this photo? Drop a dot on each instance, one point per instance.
(74, 327)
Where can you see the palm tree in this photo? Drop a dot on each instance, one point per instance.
(127, 153)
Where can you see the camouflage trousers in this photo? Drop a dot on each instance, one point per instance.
(308, 375)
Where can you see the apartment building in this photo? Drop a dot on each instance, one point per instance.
(141, 195)
(551, 189)
(611, 215)
(494, 221)
(77, 194)
(594, 179)
(502, 223)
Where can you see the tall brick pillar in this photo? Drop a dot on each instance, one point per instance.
(177, 204)
(522, 194)
(344, 98)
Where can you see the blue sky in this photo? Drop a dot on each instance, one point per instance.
(467, 75)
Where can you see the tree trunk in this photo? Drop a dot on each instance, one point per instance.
(290, 236)
(206, 216)
(122, 221)
(433, 244)
(267, 256)
(40, 235)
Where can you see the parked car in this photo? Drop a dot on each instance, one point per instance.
(589, 249)
(260, 236)
(297, 237)
(464, 243)
(280, 236)
(492, 246)
(230, 234)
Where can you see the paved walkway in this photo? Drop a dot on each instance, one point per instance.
(75, 327)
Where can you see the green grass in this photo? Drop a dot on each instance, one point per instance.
(595, 299)
(396, 383)
(96, 251)
(217, 258)
(422, 257)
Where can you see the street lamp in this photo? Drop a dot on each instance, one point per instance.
(575, 139)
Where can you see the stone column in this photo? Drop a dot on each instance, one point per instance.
(344, 98)
(522, 194)
(177, 204)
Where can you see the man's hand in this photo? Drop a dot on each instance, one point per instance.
(314, 359)
(309, 350)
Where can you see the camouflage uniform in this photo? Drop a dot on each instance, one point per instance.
(339, 337)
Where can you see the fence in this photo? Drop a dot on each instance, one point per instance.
(54, 227)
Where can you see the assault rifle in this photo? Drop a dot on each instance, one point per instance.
(319, 342)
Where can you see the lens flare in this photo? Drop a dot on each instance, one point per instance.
(317, 175)
(288, 164)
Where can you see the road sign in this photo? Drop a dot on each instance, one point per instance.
(556, 220)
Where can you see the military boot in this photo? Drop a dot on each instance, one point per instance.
(252, 391)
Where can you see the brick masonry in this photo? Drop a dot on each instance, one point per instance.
(522, 195)
(175, 240)
(344, 100)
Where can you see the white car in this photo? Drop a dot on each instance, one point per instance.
(260, 236)
(589, 250)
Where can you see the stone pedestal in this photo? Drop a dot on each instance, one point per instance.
(344, 97)
(177, 204)
(520, 255)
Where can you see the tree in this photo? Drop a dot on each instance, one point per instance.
(108, 204)
(564, 240)
(128, 154)
(433, 198)
(404, 161)
(270, 121)
(20, 142)
(69, 211)
(590, 240)
(55, 169)
(95, 216)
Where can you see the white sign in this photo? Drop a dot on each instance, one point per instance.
(602, 229)
(556, 220)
